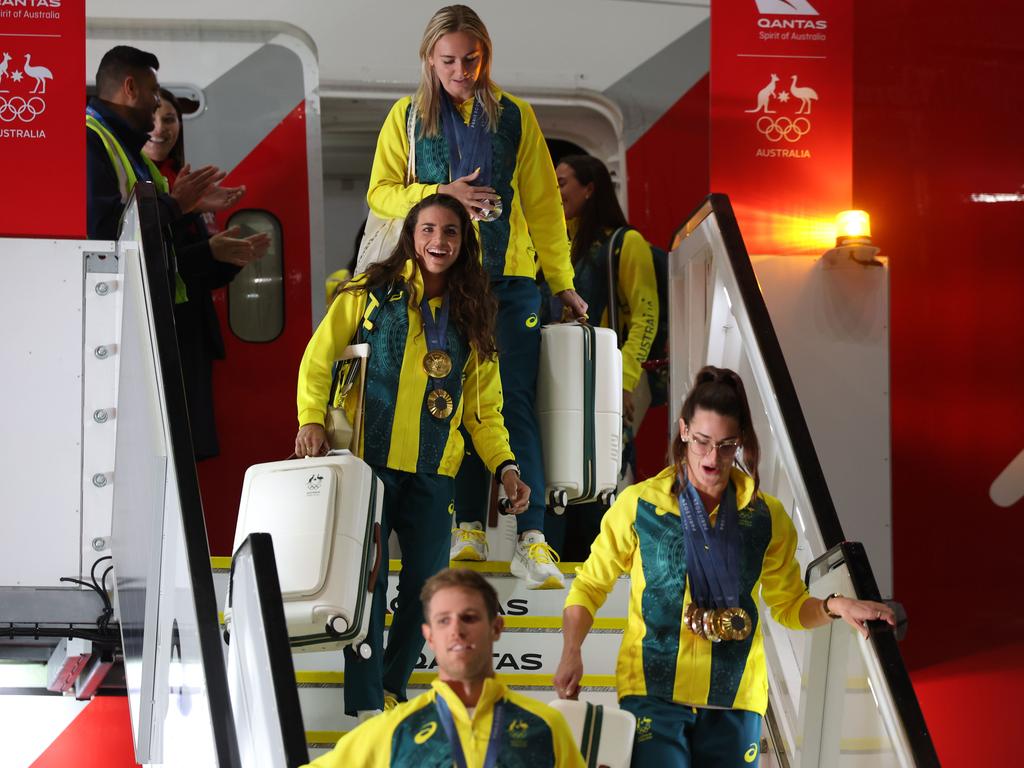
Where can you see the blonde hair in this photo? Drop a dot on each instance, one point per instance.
(453, 18)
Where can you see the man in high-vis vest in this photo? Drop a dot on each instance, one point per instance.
(118, 121)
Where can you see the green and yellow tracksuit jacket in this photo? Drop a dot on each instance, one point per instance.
(636, 292)
(398, 431)
(641, 536)
(532, 227)
(534, 735)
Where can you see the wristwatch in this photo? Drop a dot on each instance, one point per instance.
(824, 604)
(507, 465)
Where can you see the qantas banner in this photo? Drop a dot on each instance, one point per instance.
(42, 123)
(781, 123)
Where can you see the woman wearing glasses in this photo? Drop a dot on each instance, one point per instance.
(701, 544)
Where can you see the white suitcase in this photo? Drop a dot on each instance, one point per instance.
(605, 734)
(579, 407)
(323, 515)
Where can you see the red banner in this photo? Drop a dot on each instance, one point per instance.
(42, 123)
(781, 123)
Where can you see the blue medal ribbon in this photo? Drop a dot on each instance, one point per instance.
(444, 714)
(469, 146)
(436, 330)
(712, 554)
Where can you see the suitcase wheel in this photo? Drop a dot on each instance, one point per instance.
(557, 500)
(336, 625)
(608, 498)
(364, 651)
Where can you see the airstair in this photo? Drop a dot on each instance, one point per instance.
(836, 699)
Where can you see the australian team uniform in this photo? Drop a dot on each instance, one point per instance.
(530, 230)
(520, 731)
(413, 443)
(672, 679)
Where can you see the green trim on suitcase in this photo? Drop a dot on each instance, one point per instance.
(589, 429)
(590, 744)
(343, 638)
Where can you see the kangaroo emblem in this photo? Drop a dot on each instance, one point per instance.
(764, 96)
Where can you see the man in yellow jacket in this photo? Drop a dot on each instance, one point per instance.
(467, 717)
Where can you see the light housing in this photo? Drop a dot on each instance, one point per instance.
(853, 239)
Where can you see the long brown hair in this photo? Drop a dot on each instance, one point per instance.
(600, 211)
(472, 305)
(720, 390)
(453, 18)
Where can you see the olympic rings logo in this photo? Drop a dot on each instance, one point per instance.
(783, 128)
(17, 108)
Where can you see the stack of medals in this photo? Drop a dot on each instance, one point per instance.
(437, 362)
(712, 563)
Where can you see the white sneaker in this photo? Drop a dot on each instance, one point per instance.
(535, 562)
(365, 714)
(469, 542)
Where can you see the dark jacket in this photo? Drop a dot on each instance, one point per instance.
(103, 195)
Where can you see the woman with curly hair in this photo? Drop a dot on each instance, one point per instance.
(483, 146)
(428, 316)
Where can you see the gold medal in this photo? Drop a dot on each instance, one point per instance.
(437, 364)
(439, 403)
(707, 621)
(733, 624)
(692, 618)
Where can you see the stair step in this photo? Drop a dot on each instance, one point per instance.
(515, 599)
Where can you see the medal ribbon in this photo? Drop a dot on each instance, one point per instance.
(436, 330)
(712, 554)
(469, 146)
(493, 745)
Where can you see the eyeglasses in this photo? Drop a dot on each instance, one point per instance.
(702, 446)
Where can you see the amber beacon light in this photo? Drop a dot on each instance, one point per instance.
(853, 239)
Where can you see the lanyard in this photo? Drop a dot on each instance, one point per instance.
(436, 330)
(712, 554)
(141, 171)
(493, 745)
(469, 146)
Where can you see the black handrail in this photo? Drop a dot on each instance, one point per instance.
(822, 507)
(282, 669)
(197, 550)
(883, 641)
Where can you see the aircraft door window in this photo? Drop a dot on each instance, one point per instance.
(256, 295)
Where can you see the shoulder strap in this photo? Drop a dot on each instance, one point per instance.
(614, 249)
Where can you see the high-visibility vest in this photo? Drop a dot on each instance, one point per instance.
(127, 178)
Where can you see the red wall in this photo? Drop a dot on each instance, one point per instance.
(938, 102)
(668, 179)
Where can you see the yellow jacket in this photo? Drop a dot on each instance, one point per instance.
(534, 734)
(399, 432)
(636, 293)
(533, 226)
(641, 536)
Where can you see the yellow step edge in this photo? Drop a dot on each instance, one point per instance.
(394, 566)
(527, 622)
(518, 680)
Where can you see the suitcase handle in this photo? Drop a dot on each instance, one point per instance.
(379, 547)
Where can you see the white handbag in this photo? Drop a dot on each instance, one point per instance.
(380, 236)
(342, 433)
